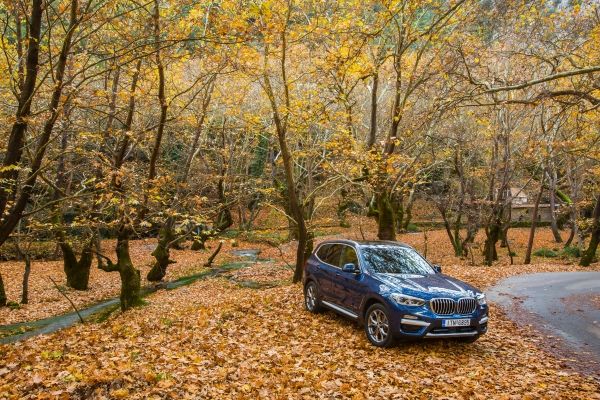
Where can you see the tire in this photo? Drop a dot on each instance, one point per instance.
(378, 327)
(311, 298)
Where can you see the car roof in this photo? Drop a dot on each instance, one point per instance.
(365, 243)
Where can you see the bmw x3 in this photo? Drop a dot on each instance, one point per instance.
(393, 291)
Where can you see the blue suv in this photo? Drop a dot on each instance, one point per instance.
(393, 291)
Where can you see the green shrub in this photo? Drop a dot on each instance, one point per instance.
(544, 252)
(412, 228)
(13, 305)
(571, 251)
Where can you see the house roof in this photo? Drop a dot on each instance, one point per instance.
(517, 192)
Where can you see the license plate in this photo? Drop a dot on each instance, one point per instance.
(449, 323)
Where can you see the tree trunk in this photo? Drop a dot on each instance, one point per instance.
(590, 253)
(454, 237)
(25, 287)
(198, 132)
(492, 235)
(408, 210)
(505, 228)
(472, 228)
(162, 252)
(373, 127)
(16, 212)
(386, 219)
(574, 227)
(281, 120)
(533, 225)
(124, 145)
(2, 293)
(398, 206)
(14, 149)
(224, 218)
(162, 99)
(77, 271)
(161, 95)
(198, 244)
(553, 223)
(130, 277)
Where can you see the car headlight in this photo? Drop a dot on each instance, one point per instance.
(481, 299)
(406, 300)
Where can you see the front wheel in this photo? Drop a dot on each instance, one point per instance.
(311, 298)
(378, 327)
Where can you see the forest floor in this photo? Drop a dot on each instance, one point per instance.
(218, 338)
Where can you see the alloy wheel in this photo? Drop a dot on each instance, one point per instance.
(378, 326)
(311, 297)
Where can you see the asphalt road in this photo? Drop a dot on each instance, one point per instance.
(562, 304)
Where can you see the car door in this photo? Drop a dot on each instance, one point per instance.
(327, 269)
(350, 288)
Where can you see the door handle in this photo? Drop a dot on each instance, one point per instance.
(337, 274)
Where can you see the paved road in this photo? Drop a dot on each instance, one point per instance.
(565, 304)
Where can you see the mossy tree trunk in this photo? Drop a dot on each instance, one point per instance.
(408, 212)
(201, 235)
(398, 206)
(77, 271)
(162, 252)
(590, 253)
(198, 244)
(493, 233)
(224, 218)
(386, 218)
(130, 277)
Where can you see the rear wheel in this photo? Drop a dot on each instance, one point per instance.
(311, 298)
(378, 327)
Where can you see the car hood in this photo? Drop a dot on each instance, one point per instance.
(434, 285)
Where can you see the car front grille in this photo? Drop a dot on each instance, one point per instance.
(466, 305)
(444, 306)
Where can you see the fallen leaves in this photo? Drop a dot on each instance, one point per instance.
(215, 339)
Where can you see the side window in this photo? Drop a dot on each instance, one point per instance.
(349, 256)
(330, 253)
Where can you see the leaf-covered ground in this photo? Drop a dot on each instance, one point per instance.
(216, 339)
(45, 300)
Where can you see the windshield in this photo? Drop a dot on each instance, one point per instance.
(386, 259)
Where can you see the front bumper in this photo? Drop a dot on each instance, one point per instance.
(420, 325)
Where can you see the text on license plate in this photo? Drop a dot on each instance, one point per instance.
(448, 323)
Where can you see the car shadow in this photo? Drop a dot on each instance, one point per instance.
(451, 345)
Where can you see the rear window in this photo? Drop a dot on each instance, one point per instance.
(330, 253)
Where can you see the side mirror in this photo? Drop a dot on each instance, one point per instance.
(438, 269)
(351, 268)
